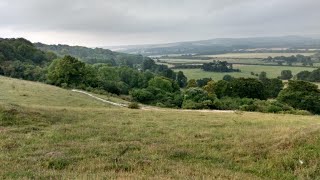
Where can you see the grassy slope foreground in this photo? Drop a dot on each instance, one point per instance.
(47, 132)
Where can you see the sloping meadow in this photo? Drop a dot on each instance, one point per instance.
(61, 141)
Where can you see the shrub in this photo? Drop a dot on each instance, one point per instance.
(164, 84)
(197, 98)
(134, 105)
(141, 95)
(159, 104)
(273, 109)
(228, 103)
(64, 85)
(301, 95)
(228, 78)
(300, 112)
(256, 105)
(247, 107)
(189, 104)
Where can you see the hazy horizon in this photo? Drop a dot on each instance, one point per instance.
(112, 23)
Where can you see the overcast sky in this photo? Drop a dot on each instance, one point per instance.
(121, 22)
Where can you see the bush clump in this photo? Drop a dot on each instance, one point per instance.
(134, 105)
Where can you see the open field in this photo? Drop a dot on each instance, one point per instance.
(229, 60)
(255, 55)
(272, 71)
(51, 133)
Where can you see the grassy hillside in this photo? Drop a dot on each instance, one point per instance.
(47, 132)
(32, 94)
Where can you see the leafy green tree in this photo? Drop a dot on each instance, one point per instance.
(164, 84)
(109, 80)
(197, 98)
(132, 77)
(273, 87)
(222, 88)
(148, 64)
(142, 95)
(248, 88)
(315, 75)
(182, 80)
(210, 87)
(262, 76)
(148, 75)
(303, 76)
(192, 83)
(302, 95)
(159, 69)
(202, 82)
(91, 76)
(108, 73)
(2, 57)
(67, 70)
(286, 75)
(228, 78)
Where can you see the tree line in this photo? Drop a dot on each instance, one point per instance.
(313, 76)
(93, 56)
(219, 66)
(305, 60)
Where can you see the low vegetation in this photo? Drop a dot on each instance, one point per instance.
(134, 105)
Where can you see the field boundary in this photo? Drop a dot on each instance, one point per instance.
(198, 65)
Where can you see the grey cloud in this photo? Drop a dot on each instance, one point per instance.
(147, 21)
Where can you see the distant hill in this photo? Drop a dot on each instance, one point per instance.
(223, 45)
(92, 56)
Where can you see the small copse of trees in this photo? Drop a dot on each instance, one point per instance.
(219, 66)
